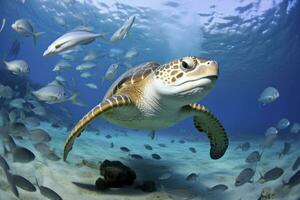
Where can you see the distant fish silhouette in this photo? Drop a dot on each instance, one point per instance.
(14, 50)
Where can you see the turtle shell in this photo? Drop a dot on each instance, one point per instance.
(131, 77)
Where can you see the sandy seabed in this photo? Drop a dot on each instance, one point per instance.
(176, 158)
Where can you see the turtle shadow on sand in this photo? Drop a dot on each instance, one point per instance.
(150, 170)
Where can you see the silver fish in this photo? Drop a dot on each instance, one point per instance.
(85, 66)
(296, 164)
(3, 24)
(11, 183)
(52, 156)
(122, 32)
(192, 177)
(54, 92)
(271, 175)
(269, 95)
(111, 72)
(92, 85)
(22, 155)
(5, 92)
(24, 27)
(39, 135)
(253, 157)
(17, 67)
(294, 180)
(3, 164)
(295, 128)
(48, 193)
(62, 65)
(283, 123)
(131, 54)
(70, 40)
(43, 148)
(23, 183)
(218, 188)
(245, 176)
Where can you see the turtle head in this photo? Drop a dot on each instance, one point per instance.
(186, 80)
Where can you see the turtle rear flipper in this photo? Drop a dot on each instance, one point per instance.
(205, 121)
(107, 104)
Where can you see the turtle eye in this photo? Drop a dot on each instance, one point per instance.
(186, 66)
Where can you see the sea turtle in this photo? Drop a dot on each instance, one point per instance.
(152, 96)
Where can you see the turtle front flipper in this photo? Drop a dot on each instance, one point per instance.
(206, 122)
(109, 103)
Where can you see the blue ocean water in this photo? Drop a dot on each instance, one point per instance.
(256, 44)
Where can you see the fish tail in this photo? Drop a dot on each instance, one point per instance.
(35, 36)
(74, 99)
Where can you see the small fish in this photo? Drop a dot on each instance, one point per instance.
(68, 57)
(3, 24)
(111, 71)
(131, 54)
(162, 145)
(32, 121)
(70, 40)
(9, 142)
(23, 183)
(294, 180)
(62, 65)
(269, 95)
(269, 141)
(18, 129)
(193, 150)
(136, 156)
(17, 67)
(152, 134)
(286, 149)
(90, 56)
(122, 32)
(6, 92)
(245, 176)
(148, 147)
(111, 145)
(24, 27)
(172, 141)
(22, 155)
(55, 92)
(282, 124)
(39, 110)
(108, 136)
(39, 135)
(115, 53)
(244, 146)
(165, 176)
(17, 103)
(192, 177)
(86, 75)
(43, 148)
(271, 131)
(254, 157)
(271, 175)
(11, 183)
(295, 128)
(3, 164)
(92, 85)
(296, 164)
(48, 193)
(125, 149)
(85, 66)
(52, 156)
(218, 188)
(181, 141)
(156, 156)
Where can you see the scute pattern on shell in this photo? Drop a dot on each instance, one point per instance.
(132, 76)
